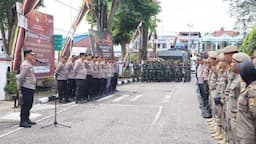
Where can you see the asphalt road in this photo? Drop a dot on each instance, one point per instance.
(140, 113)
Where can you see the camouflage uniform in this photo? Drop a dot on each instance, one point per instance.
(222, 83)
(246, 115)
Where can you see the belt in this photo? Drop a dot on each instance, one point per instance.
(233, 114)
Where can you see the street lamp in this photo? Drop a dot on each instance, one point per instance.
(190, 26)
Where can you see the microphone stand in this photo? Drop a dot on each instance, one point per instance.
(55, 123)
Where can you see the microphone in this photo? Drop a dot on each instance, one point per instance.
(39, 61)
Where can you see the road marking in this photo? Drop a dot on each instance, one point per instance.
(136, 98)
(105, 98)
(10, 132)
(121, 98)
(167, 97)
(42, 119)
(157, 116)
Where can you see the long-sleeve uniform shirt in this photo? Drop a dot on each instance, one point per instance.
(61, 71)
(80, 70)
(27, 76)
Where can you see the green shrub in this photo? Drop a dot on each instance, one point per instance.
(249, 43)
(11, 85)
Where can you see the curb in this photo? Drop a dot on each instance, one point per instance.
(44, 100)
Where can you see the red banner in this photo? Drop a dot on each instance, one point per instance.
(39, 38)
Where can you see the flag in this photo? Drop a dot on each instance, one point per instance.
(66, 50)
(19, 41)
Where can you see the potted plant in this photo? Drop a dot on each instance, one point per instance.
(11, 86)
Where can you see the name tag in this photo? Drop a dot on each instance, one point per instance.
(251, 102)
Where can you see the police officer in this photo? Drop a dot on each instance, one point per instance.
(80, 74)
(235, 89)
(246, 108)
(212, 82)
(94, 77)
(71, 78)
(26, 88)
(228, 51)
(221, 86)
(62, 77)
(115, 70)
(89, 68)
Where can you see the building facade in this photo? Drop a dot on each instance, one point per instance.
(220, 39)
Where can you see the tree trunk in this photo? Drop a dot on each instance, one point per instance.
(144, 49)
(123, 47)
(111, 15)
(154, 45)
(105, 18)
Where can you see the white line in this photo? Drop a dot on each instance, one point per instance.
(19, 128)
(105, 98)
(167, 97)
(120, 98)
(10, 132)
(157, 116)
(136, 98)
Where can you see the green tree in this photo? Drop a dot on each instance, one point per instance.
(129, 14)
(101, 14)
(8, 21)
(249, 44)
(244, 12)
(125, 23)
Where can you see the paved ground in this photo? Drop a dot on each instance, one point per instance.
(141, 113)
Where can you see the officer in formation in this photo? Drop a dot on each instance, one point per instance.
(85, 78)
(164, 71)
(229, 96)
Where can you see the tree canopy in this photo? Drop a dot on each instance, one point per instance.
(244, 11)
(7, 20)
(128, 15)
(249, 43)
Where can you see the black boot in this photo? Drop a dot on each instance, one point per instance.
(25, 124)
(31, 122)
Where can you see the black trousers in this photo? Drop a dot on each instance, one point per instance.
(112, 84)
(89, 86)
(71, 88)
(62, 90)
(204, 92)
(80, 89)
(103, 83)
(115, 79)
(98, 86)
(27, 98)
(94, 87)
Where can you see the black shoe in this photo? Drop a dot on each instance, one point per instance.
(31, 122)
(67, 101)
(25, 125)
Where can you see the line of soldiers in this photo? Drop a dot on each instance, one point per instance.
(156, 71)
(227, 86)
(85, 78)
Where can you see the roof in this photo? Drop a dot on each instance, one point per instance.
(224, 32)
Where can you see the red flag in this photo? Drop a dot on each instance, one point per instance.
(27, 7)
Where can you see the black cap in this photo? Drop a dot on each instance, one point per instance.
(81, 54)
(28, 51)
